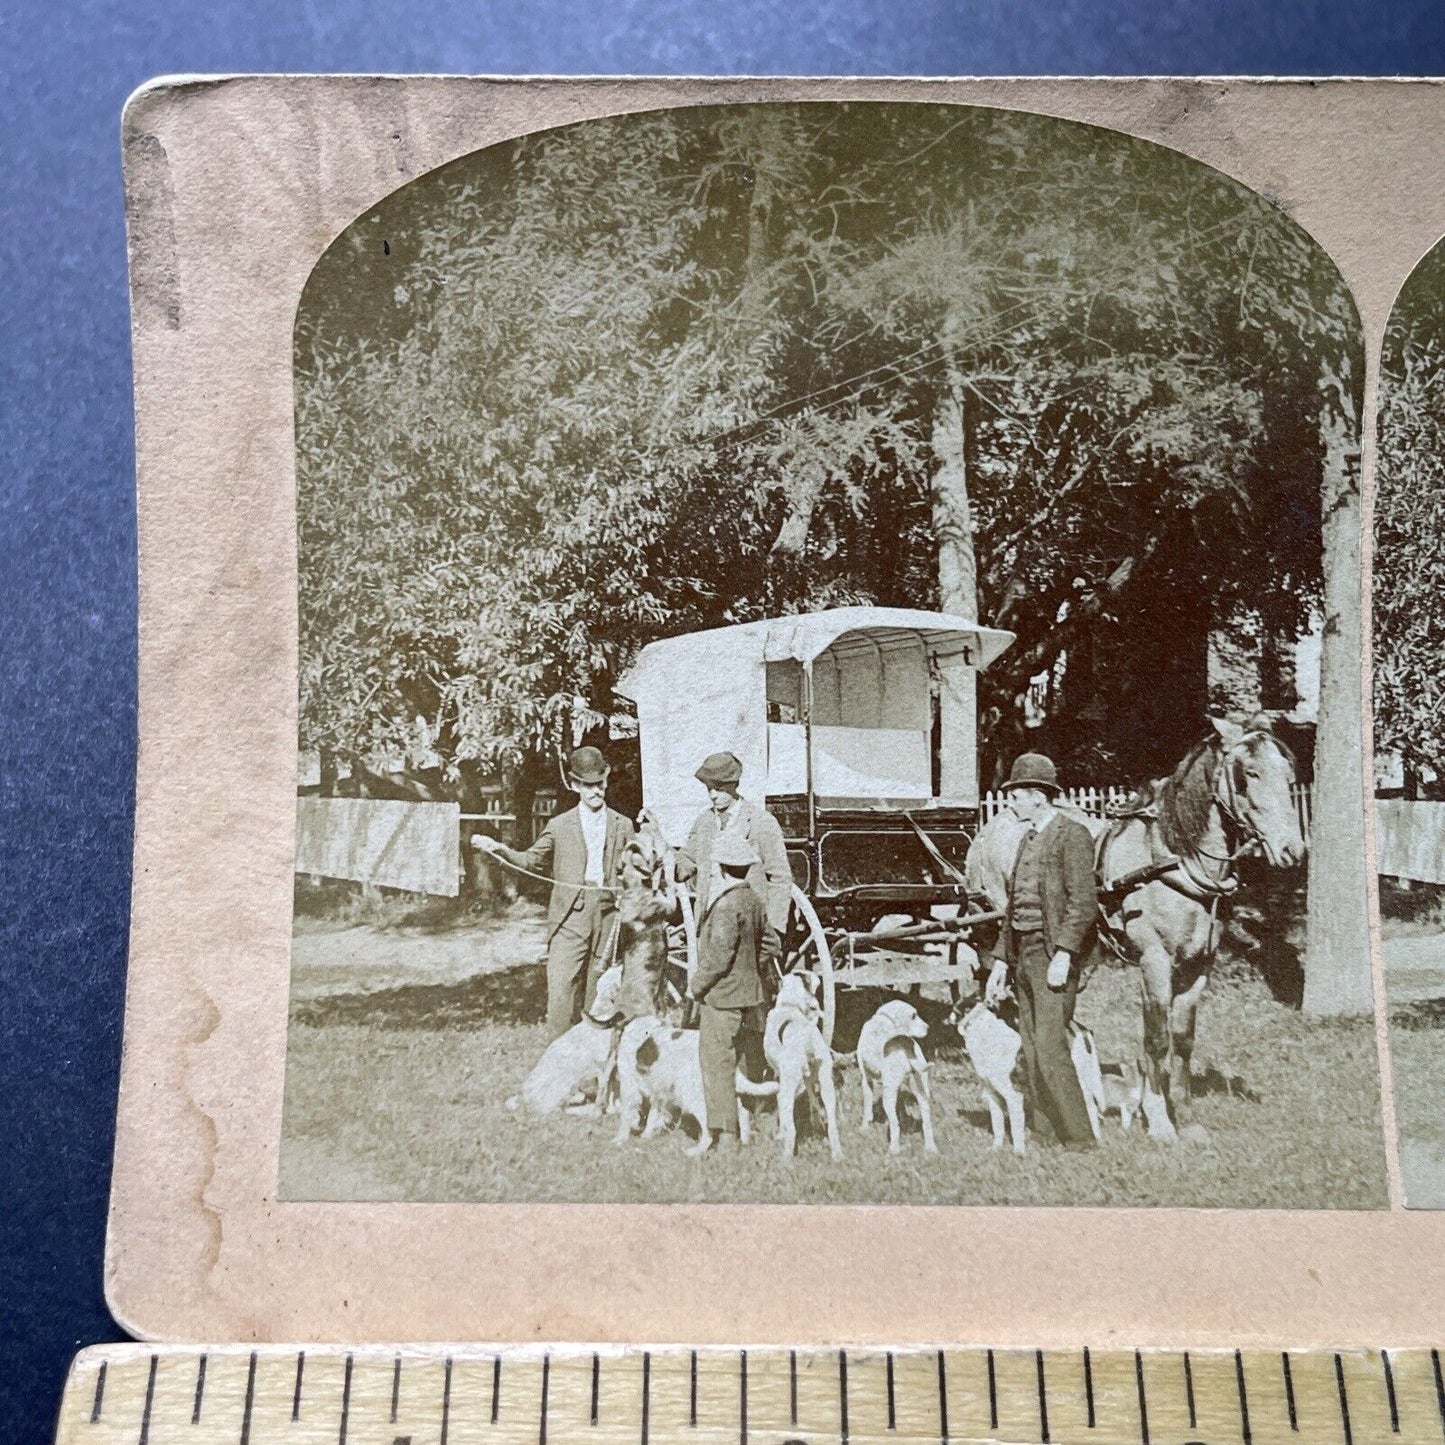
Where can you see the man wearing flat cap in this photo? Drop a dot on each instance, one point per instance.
(1050, 923)
(581, 851)
(769, 876)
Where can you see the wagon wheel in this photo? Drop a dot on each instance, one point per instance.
(805, 948)
(681, 948)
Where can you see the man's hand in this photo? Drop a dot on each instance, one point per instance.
(1059, 966)
(485, 843)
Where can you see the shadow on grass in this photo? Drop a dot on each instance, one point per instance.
(506, 996)
(1417, 1017)
(1213, 1080)
(1264, 930)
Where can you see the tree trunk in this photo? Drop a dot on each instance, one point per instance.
(1337, 950)
(952, 512)
(804, 490)
(957, 593)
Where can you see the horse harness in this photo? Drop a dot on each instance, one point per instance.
(1186, 873)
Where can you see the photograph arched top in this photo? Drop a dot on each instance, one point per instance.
(1060, 427)
(682, 368)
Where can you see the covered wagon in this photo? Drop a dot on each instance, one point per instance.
(856, 727)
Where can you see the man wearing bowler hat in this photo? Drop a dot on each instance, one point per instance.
(581, 851)
(1050, 923)
(769, 876)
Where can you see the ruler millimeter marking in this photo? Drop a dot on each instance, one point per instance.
(238, 1395)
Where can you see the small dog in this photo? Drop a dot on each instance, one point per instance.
(993, 1050)
(1123, 1094)
(794, 1047)
(583, 1053)
(890, 1057)
(659, 1065)
(1104, 1094)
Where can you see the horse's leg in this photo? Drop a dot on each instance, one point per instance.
(1156, 977)
(1184, 1012)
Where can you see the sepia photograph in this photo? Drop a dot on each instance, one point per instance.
(824, 678)
(1409, 636)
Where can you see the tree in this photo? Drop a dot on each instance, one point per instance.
(1409, 561)
(620, 381)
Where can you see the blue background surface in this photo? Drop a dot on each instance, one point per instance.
(67, 579)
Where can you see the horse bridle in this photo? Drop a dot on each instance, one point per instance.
(1226, 796)
(1198, 882)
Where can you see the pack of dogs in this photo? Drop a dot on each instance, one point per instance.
(632, 1055)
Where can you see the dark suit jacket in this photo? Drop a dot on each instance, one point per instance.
(561, 850)
(1067, 891)
(733, 939)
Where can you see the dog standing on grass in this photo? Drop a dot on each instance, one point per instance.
(993, 1049)
(890, 1060)
(659, 1068)
(796, 1051)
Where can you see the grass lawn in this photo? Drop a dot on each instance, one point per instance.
(1412, 922)
(399, 1094)
(1417, 1047)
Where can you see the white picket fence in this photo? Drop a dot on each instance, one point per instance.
(1098, 801)
(1088, 800)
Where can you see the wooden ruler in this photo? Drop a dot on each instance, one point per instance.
(235, 1395)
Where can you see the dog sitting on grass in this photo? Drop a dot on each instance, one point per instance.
(582, 1056)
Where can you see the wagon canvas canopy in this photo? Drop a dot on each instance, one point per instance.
(840, 700)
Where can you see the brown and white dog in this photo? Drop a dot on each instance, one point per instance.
(1123, 1094)
(794, 1047)
(890, 1059)
(645, 906)
(659, 1066)
(582, 1055)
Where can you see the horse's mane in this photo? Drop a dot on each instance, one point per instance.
(1184, 797)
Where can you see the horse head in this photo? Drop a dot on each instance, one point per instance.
(1255, 789)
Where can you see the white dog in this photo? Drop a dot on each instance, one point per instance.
(583, 1053)
(993, 1050)
(794, 1047)
(890, 1058)
(659, 1065)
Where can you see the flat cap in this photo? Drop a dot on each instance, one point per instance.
(719, 768)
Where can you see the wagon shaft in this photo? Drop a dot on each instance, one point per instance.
(937, 930)
(897, 973)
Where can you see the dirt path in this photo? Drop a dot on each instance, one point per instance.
(331, 962)
(1415, 968)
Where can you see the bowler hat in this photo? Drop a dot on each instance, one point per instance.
(587, 765)
(718, 769)
(1033, 770)
(732, 850)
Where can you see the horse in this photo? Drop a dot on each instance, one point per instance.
(1165, 865)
